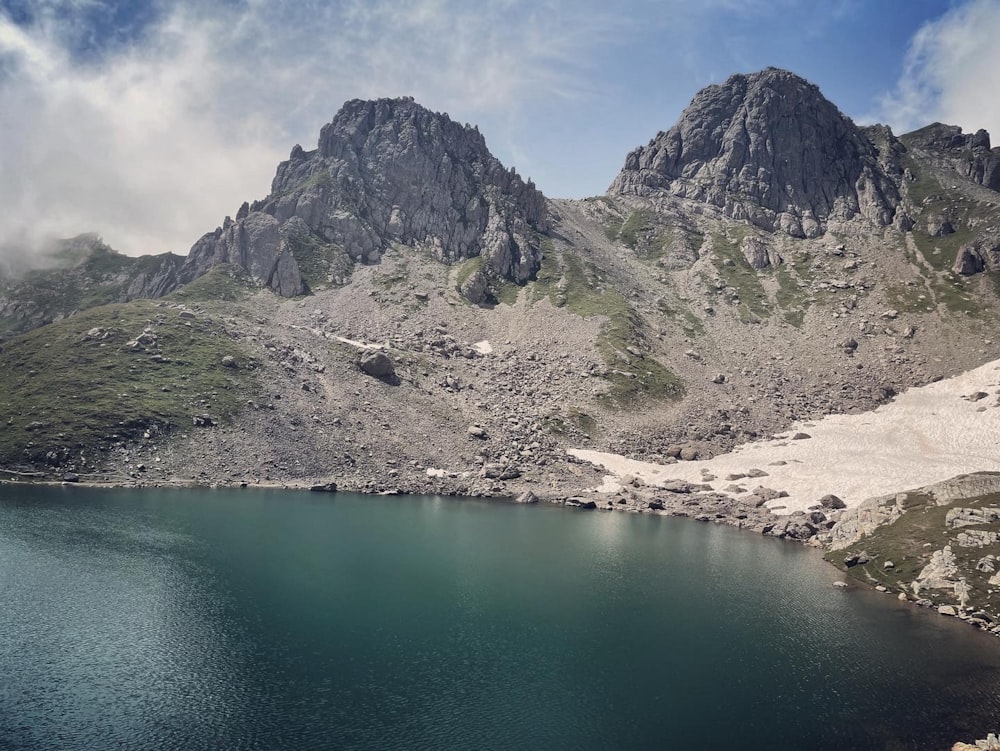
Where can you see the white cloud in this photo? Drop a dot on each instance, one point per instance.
(950, 73)
(153, 142)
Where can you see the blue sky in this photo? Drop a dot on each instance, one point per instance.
(148, 121)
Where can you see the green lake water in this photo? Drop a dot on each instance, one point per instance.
(191, 619)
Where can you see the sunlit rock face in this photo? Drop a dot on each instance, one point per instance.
(770, 149)
(385, 172)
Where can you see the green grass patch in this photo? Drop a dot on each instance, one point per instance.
(572, 420)
(639, 224)
(579, 287)
(941, 252)
(792, 298)
(907, 299)
(682, 316)
(67, 398)
(739, 276)
(905, 543)
(612, 227)
(923, 185)
(224, 282)
(507, 293)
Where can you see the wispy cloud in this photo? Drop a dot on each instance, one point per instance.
(152, 140)
(950, 73)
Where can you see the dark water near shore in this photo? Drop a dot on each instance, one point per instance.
(279, 620)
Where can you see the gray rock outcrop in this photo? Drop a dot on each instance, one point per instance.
(254, 243)
(385, 172)
(759, 254)
(969, 154)
(967, 517)
(941, 572)
(80, 272)
(769, 148)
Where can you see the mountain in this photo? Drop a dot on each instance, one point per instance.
(404, 313)
(770, 149)
(79, 273)
(386, 172)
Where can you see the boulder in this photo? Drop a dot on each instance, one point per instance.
(377, 364)
(969, 261)
(831, 502)
(939, 226)
(758, 253)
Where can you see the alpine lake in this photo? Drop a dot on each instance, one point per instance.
(260, 619)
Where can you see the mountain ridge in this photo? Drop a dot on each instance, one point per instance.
(404, 314)
(677, 326)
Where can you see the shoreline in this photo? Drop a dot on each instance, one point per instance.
(821, 528)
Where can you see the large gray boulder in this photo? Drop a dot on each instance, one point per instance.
(968, 261)
(377, 364)
(759, 254)
(770, 149)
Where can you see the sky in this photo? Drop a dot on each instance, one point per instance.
(148, 121)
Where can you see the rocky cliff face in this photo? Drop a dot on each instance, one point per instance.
(955, 160)
(386, 172)
(79, 273)
(768, 148)
(969, 154)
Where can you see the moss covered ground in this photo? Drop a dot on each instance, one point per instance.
(71, 390)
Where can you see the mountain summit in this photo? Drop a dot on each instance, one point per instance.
(769, 148)
(386, 172)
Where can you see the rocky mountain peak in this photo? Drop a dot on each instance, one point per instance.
(385, 172)
(969, 154)
(769, 148)
(363, 126)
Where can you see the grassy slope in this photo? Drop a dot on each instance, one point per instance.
(579, 287)
(909, 541)
(65, 395)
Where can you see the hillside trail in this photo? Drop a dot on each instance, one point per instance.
(927, 273)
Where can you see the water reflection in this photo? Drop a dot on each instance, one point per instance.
(184, 619)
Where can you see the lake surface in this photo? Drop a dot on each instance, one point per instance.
(159, 619)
